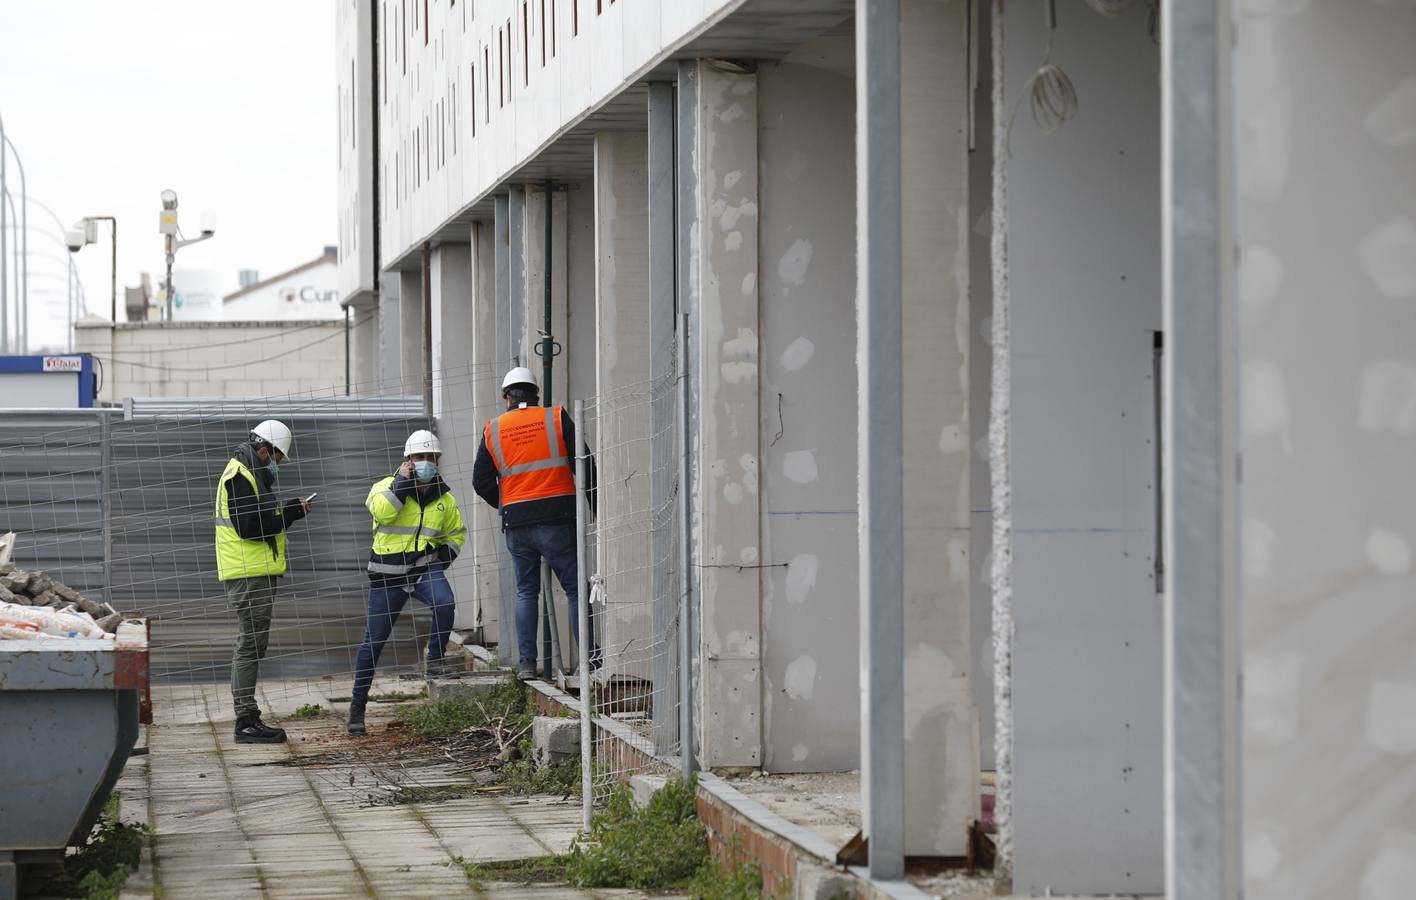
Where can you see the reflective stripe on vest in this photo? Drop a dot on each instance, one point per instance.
(237, 557)
(530, 454)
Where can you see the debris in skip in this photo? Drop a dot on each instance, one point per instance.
(34, 605)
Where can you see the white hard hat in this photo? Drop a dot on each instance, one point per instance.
(421, 442)
(519, 375)
(277, 434)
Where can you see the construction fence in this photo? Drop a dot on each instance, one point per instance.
(119, 504)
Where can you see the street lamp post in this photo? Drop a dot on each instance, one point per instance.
(84, 235)
(172, 238)
(22, 329)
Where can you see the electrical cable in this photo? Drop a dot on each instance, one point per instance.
(1051, 95)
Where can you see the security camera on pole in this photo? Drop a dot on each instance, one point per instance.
(172, 238)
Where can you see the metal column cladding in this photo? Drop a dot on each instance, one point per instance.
(880, 436)
(1202, 826)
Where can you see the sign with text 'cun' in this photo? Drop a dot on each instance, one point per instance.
(62, 364)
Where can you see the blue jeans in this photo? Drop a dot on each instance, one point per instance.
(385, 604)
(528, 544)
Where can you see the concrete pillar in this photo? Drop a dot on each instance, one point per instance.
(534, 242)
(941, 728)
(534, 321)
(663, 416)
(727, 534)
(580, 297)
(484, 538)
(622, 368)
(507, 259)
(516, 348)
(390, 340)
(410, 334)
(364, 347)
(458, 430)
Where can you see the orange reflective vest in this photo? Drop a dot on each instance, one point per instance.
(530, 453)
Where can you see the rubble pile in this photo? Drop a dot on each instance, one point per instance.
(33, 603)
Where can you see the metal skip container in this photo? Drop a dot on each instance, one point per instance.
(69, 715)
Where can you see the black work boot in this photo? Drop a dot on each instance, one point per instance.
(251, 730)
(355, 725)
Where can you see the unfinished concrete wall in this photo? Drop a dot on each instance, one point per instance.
(459, 431)
(580, 306)
(410, 332)
(941, 731)
(390, 340)
(484, 542)
(622, 397)
(810, 606)
(1326, 176)
(980, 237)
(1084, 271)
(364, 345)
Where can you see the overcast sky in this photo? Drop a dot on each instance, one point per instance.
(232, 105)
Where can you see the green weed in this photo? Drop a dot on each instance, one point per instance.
(309, 711)
(510, 701)
(662, 845)
(101, 867)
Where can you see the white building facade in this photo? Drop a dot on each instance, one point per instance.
(960, 421)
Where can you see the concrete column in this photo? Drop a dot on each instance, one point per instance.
(534, 321)
(622, 367)
(364, 347)
(507, 257)
(390, 341)
(723, 267)
(580, 296)
(534, 242)
(941, 728)
(458, 430)
(663, 416)
(410, 334)
(484, 538)
(516, 274)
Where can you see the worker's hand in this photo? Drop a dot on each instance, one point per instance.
(406, 470)
(306, 504)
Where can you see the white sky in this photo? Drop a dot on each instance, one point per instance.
(230, 104)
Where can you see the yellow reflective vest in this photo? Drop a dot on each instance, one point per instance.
(408, 533)
(237, 557)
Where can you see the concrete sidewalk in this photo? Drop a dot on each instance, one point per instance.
(230, 820)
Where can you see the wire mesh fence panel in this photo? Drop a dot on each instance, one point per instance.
(634, 595)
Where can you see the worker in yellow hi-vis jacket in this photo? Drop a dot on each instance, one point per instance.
(418, 532)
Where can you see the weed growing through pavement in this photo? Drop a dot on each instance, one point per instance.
(100, 868)
(309, 711)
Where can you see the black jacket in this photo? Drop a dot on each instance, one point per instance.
(258, 516)
(486, 481)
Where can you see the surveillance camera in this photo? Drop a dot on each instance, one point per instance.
(74, 238)
(208, 232)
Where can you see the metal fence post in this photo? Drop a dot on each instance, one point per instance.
(687, 750)
(105, 457)
(582, 603)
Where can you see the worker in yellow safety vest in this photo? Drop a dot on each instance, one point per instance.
(525, 469)
(250, 556)
(418, 532)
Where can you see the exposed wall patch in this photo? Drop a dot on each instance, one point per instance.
(800, 466)
(1388, 257)
(1388, 552)
(798, 354)
(794, 263)
(801, 576)
(800, 680)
